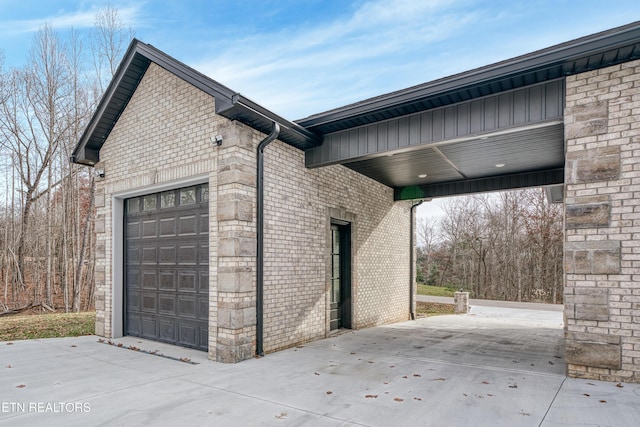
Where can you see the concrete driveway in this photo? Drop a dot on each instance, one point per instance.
(495, 366)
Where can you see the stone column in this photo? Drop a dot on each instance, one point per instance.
(602, 224)
(236, 193)
(460, 302)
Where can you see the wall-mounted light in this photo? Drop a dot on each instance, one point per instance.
(217, 140)
(99, 173)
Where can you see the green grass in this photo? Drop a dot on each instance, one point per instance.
(52, 325)
(436, 291)
(427, 309)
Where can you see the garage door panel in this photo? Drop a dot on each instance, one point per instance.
(133, 229)
(168, 281)
(187, 225)
(167, 266)
(167, 329)
(168, 226)
(203, 223)
(187, 306)
(149, 254)
(187, 254)
(167, 304)
(167, 255)
(149, 302)
(149, 327)
(149, 280)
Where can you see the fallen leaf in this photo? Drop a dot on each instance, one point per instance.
(602, 401)
(21, 386)
(185, 359)
(100, 340)
(485, 382)
(417, 375)
(315, 373)
(586, 394)
(392, 366)
(550, 362)
(281, 416)
(590, 384)
(619, 385)
(371, 396)
(385, 382)
(526, 414)
(465, 394)
(513, 386)
(119, 344)
(404, 376)
(417, 398)
(74, 345)
(353, 352)
(439, 379)
(489, 394)
(9, 366)
(329, 392)
(370, 361)
(398, 399)
(9, 343)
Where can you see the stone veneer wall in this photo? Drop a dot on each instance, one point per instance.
(162, 139)
(602, 224)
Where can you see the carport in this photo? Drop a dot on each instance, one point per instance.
(564, 118)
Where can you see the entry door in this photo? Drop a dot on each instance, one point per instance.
(340, 309)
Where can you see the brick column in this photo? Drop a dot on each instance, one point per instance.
(236, 193)
(602, 224)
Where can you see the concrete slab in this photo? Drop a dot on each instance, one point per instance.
(492, 367)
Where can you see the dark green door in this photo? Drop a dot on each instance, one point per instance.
(340, 276)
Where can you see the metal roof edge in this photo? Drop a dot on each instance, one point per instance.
(244, 109)
(570, 50)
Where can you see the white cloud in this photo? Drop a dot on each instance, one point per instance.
(303, 70)
(79, 19)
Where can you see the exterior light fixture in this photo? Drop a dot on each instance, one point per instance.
(500, 165)
(422, 175)
(217, 140)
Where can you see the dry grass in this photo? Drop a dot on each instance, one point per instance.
(427, 309)
(53, 325)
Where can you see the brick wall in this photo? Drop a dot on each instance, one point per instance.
(299, 205)
(602, 222)
(162, 139)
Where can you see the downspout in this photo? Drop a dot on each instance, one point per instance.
(275, 131)
(412, 313)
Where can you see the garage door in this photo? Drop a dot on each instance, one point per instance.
(167, 266)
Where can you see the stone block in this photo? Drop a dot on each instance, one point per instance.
(99, 302)
(593, 354)
(582, 129)
(100, 326)
(587, 215)
(235, 279)
(593, 165)
(595, 312)
(597, 257)
(99, 198)
(461, 302)
(236, 247)
(235, 210)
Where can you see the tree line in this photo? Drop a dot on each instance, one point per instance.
(505, 246)
(46, 202)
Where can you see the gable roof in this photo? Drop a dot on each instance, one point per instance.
(229, 104)
(610, 47)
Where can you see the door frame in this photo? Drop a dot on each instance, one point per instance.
(347, 220)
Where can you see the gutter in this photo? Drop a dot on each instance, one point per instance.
(275, 131)
(412, 243)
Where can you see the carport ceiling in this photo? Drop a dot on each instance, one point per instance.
(523, 150)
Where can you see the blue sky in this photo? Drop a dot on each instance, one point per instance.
(302, 57)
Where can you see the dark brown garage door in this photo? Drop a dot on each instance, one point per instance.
(167, 266)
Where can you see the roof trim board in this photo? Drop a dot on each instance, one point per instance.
(229, 104)
(595, 51)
